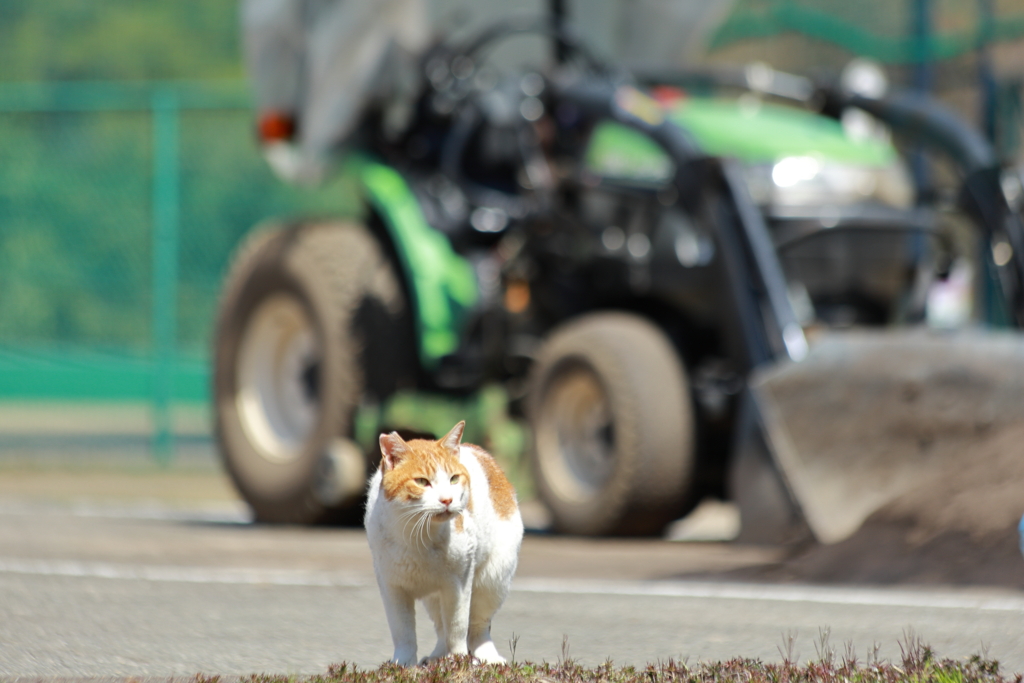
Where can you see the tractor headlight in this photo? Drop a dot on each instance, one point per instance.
(807, 181)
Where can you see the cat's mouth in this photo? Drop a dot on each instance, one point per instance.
(444, 515)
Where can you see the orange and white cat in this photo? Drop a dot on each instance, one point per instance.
(444, 528)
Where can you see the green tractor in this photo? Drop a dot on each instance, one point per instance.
(622, 259)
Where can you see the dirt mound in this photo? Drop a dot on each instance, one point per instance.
(929, 422)
(957, 527)
(980, 494)
(880, 554)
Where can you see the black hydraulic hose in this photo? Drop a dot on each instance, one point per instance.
(457, 139)
(982, 195)
(599, 99)
(923, 119)
(558, 16)
(602, 99)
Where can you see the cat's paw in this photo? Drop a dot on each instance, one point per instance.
(487, 653)
(403, 658)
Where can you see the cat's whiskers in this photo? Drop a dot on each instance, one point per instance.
(425, 530)
(418, 518)
(424, 537)
(426, 526)
(410, 516)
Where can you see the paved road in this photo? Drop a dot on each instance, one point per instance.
(151, 589)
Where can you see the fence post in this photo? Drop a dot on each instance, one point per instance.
(166, 194)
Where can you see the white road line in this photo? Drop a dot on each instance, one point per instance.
(179, 574)
(212, 513)
(873, 597)
(986, 601)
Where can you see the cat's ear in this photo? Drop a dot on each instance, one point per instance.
(392, 450)
(453, 439)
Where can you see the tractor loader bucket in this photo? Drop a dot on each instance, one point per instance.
(854, 421)
(869, 415)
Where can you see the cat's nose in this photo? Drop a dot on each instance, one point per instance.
(445, 501)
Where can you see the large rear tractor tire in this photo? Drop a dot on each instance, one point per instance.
(301, 310)
(613, 426)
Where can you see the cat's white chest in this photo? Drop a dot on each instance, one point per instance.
(419, 556)
(443, 554)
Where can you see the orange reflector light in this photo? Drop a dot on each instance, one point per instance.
(517, 296)
(275, 126)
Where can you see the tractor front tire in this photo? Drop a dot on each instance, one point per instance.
(301, 310)
(613, 426)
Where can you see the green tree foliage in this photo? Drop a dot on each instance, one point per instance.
(118, 39)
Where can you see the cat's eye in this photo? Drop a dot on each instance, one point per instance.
(455, 479)
(422, 481)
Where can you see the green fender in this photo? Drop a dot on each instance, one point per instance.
(442, 283)
(762, 133)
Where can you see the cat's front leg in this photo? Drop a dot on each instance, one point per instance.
(455, 601)
(433, 605)
(401, 614)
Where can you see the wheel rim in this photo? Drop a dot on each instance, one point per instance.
(278, 370)
(576, 435)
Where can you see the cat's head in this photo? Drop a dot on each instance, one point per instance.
(425, 475)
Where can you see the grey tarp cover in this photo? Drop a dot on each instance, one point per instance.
(324, 61)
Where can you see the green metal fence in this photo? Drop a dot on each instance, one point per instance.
(120, 204)
(891, 31)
